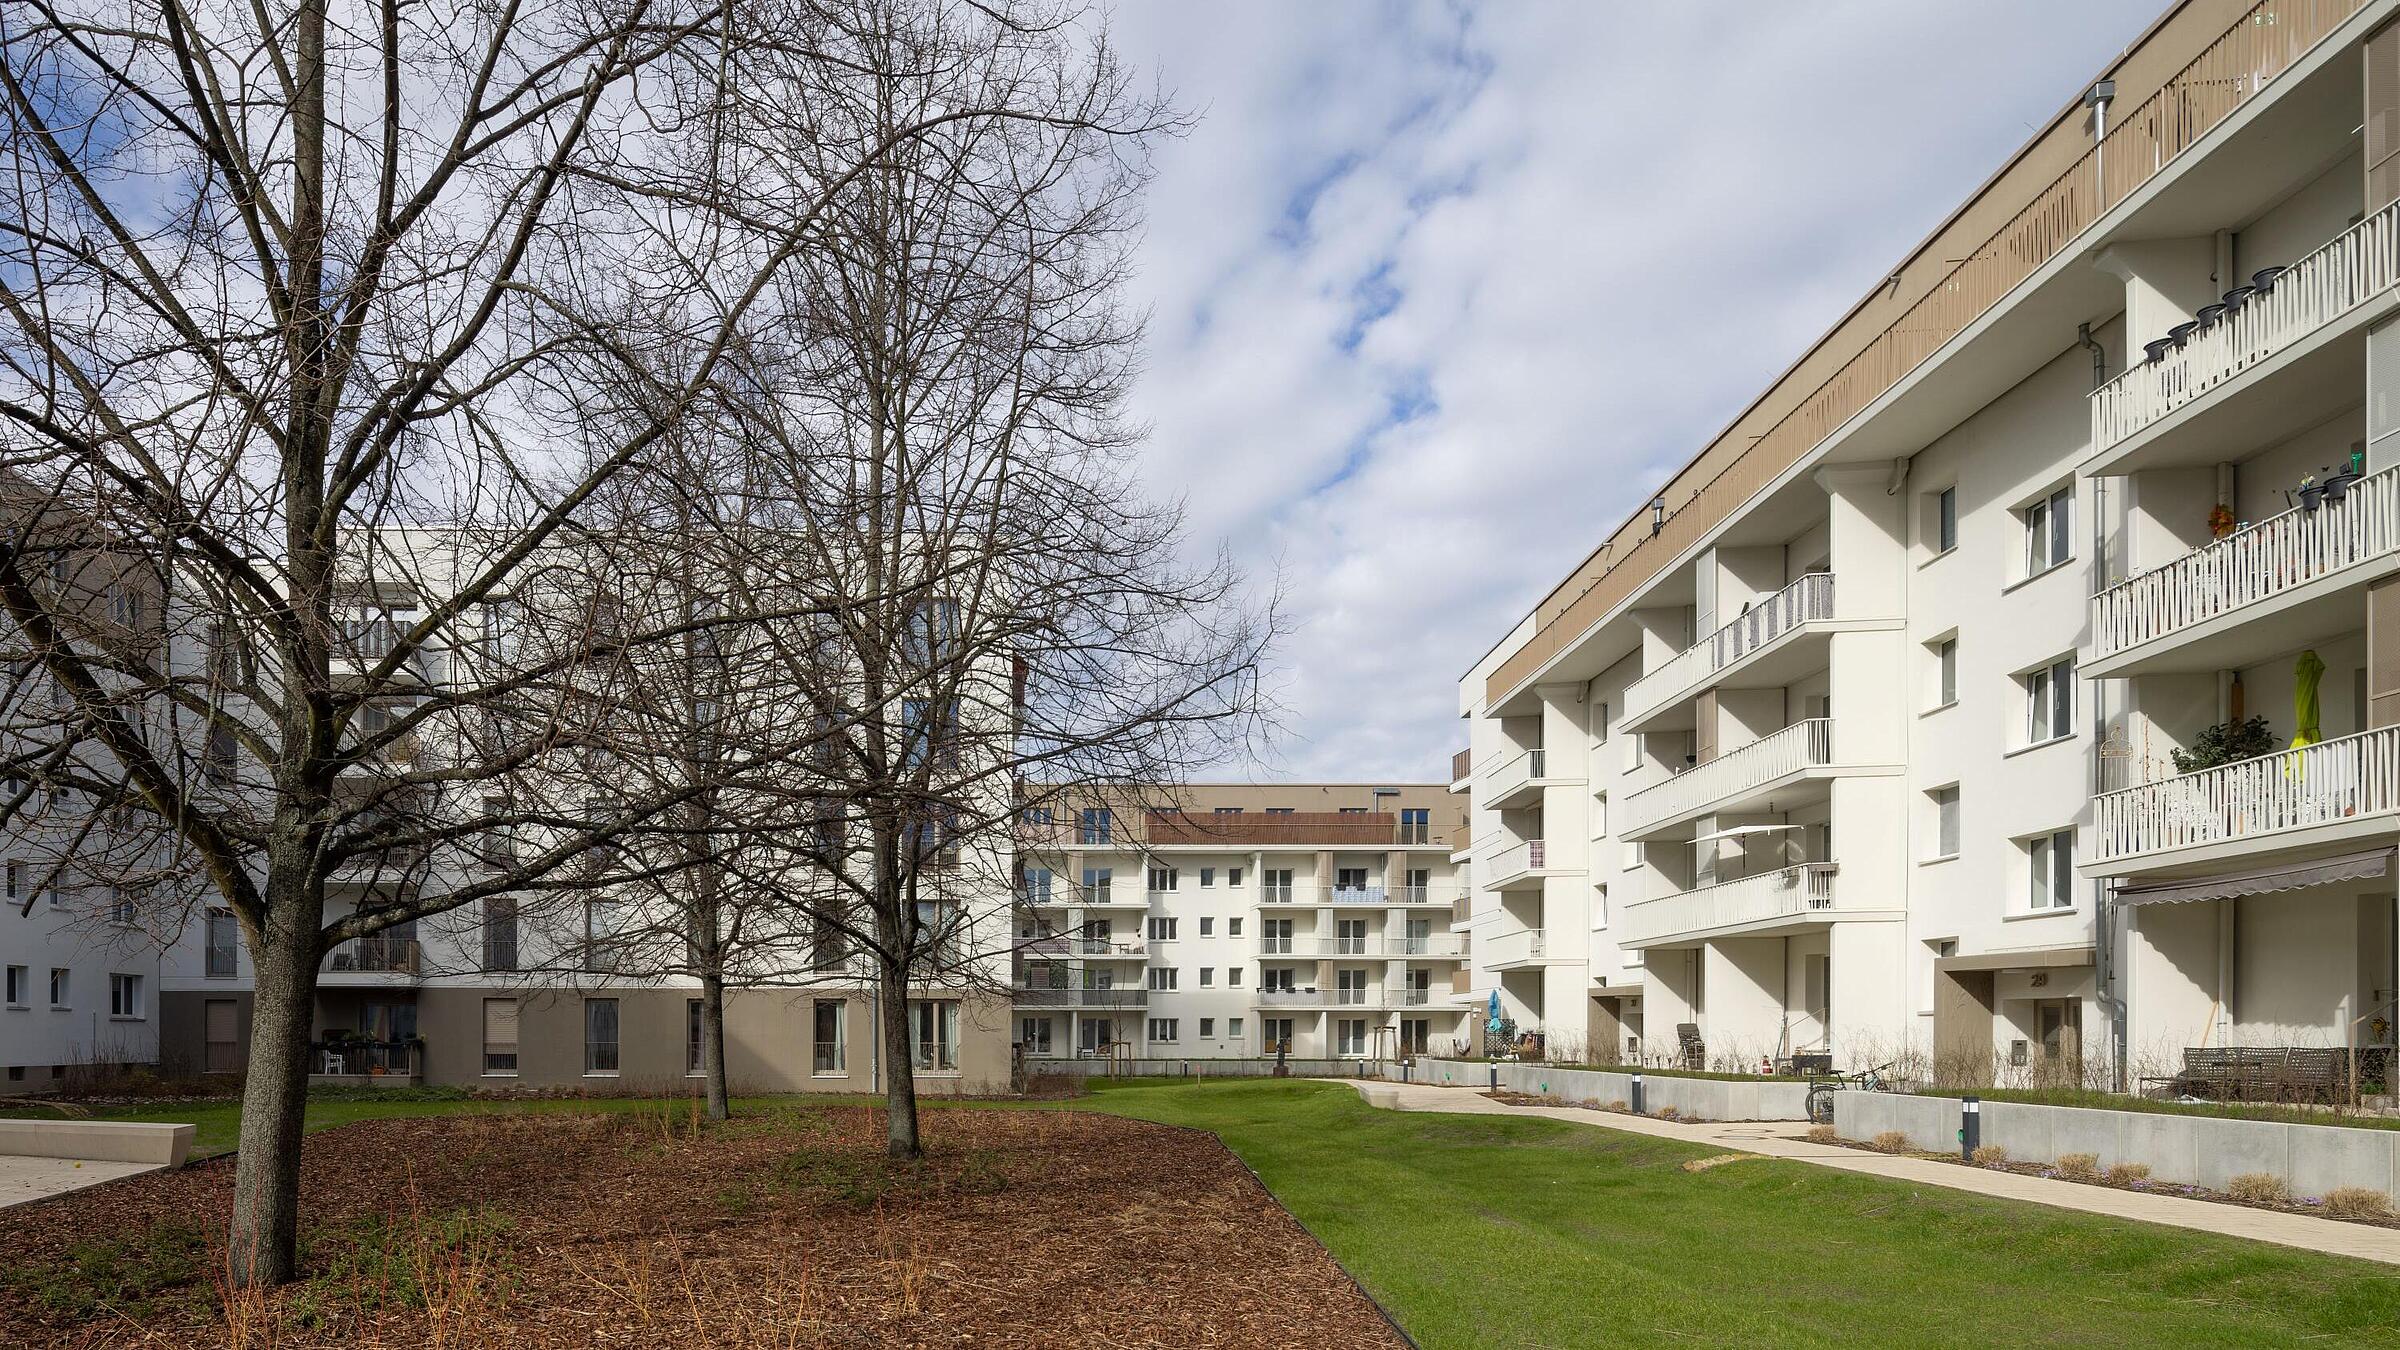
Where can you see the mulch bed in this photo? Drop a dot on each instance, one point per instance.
(1020, 1228)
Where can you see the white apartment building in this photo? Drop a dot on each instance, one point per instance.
(1231, 922)
(1859, 737)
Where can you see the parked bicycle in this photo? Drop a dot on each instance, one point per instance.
(1822, 1087)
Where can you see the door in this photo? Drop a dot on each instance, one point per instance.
(221, 1051)
(1420, 936)
(2059, 1023)
(1351, 937)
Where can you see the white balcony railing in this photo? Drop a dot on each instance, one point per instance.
(1809, 598)
(2328, 783)
(1526, 944)
(1528, 856)
(1784, 893)
(2276, 555)
(1802, 745)
(1518, 772)
(1355, 895)
(2356, 266)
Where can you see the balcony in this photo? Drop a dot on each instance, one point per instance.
(1462, 770)
(1520, 950)
(375, 1063)
(1291, 998)
(1108, 897)
(1519, 866)
(1520, 781)
(375, 957)
(1787, 899)
(1431, 947)
(1738, 778)
(1051, 996)
(2298, 346)
(1041, 948)
(2327, 793)
(1355, 895)
(1763, 648)
(1290, 830)
(2280, 584)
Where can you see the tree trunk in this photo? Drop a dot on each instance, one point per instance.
(264, 1242)
(712, 1044)
(900, 1080)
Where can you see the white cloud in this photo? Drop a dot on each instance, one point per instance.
(1438, 294)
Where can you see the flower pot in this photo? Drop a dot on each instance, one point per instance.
(2337, 486)
(2157, 350)
(2311, 498)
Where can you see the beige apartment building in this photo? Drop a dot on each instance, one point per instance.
(1912, 718)
(1236, 921)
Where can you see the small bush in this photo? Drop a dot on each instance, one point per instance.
(2078, 1166)
(2126, 1174)
(1891, 1141)
(1824, 1134)
(1989, 1155)
(1618, 1105)
(2358, 1202)
(2258, 1188)
(1669, 1113)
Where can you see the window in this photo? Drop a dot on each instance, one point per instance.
(1354, 810)
(2049, 531)
(499, 1035)
(1233, 927)
(1229, 810)
(1279, 810)
(19, 978)
(599, 934)
(1097, 882)
(1208, 877)
(1034, 1035)
(1208, 1028)
(1035, 883)
(828, 1051)
(1945, 520)
(1416, 825)
(16, 878)
(1351, 1036)
(1945, 821)
(1233, 876)
(500, 933)
(1037, 815)
(1162, 930)
(1233, 977)
(2049, 701)
(2050, 869)
(1233, 1026)
(223, 959)
(1599, 907)
(936, 1036)
(1162, 1028)
(1162, 977)
(1094, 826)
(694, 1036)
(58, 987)
(125, 996)
(1945, 672)
(1206, 924)
(1208, 976)
(1162, 880)
(599, 1035)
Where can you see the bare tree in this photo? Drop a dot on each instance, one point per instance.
(1011, 619)
(318, 321)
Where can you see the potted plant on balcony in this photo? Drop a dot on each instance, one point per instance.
(2312, 493)
(2225, 743)
(2337, 483)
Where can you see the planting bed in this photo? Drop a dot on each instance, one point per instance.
(787, 1227)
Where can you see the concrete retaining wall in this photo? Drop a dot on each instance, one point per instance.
(1700, 1098)
(98, 1140)
(2187, 1150)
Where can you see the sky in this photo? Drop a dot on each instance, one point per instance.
(1439, 293)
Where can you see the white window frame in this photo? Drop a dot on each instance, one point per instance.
(492, 1050)
(592, 1049)
(62, 987)
(2049, 694)
(19, 988)
(1162, 979)
(1945, 520)
(1948, 820)
(124, 997)
(1163, 1030)
(2049, 522)
(2050, 871)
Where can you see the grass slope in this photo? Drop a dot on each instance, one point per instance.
(1477, 1231)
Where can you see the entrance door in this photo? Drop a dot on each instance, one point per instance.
(2059, 1023)
(221, 1051)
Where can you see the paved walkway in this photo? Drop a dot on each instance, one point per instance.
(1787, 1139)
(23, 1179)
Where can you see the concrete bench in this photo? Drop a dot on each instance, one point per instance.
(98, 1140)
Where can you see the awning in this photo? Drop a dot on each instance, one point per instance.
(1743, 831)
(2325, 872)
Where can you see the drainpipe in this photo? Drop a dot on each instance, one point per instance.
(2106, 693)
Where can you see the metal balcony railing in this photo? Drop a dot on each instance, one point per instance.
(2345, 779)
(1770, 620)
(1785, 892)
(1802, 745)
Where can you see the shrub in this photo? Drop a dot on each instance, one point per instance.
(2225, 743)
(1618, 1105)
(2358, 1202)
(2078, 1166)
(2125, 1174)
(1989, 1155)
(1669, 1113)
(1824, 1134)
(2258, 1188)
(1891, 1141)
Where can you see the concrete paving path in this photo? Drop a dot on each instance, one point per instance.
(1788, 1139)
(23, 1179)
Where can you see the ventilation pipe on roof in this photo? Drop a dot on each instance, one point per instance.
(1658, 514)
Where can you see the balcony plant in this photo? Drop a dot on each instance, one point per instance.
(2225, 743)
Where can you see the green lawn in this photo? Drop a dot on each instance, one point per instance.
(1477, 1231)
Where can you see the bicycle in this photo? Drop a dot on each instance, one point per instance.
(1821, 1090)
